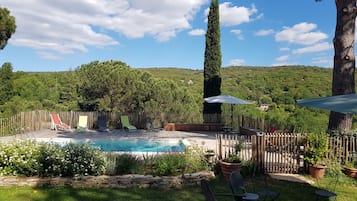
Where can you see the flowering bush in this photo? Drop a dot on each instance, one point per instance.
(45, 159)
(49, 159)
(82, 160)
(19, 158)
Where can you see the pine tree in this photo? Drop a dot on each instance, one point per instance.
(212, 64)
(7, 26)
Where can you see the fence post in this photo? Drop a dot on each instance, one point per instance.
(253, 139)
(219, 146)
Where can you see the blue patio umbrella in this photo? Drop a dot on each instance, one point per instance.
(227, 99)
(346, 104)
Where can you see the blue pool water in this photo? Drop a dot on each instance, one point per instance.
(135, 145)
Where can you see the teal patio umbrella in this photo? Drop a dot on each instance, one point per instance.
(346, 104)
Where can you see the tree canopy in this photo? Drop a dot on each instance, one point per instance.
(7, 26)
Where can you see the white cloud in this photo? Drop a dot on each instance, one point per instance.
(238, 33)
(234, 15)
(282, 64)
(301, 33)
(284, 49)
(319, 47)
(283, 58)
(47, 55)
(197, 32)
(264, 32)
(236, 62)
(70, 26)
(327, 61)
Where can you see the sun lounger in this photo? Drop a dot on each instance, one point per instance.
(57, 124)
(82, 123)
(126, 124)
(102, 123)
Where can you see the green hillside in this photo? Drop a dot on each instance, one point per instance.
(255, 83)
(172, 94)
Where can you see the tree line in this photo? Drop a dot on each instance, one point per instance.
(113, 86)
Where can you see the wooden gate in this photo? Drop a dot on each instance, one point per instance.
(272, 153)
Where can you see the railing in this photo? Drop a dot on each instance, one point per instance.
(38, 120)
(282, 152)
(342, 148)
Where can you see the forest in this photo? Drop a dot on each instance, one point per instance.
(176, 93)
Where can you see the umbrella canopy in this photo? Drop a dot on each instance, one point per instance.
(346, 104)
(226, 99)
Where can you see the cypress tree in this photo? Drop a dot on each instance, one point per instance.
(6, 83)
(212, 64)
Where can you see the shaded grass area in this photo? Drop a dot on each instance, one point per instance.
(346, 190)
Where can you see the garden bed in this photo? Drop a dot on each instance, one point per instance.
(104, 181)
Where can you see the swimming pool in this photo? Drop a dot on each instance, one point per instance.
(135, 145)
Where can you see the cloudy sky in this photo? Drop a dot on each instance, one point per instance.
(62, 35)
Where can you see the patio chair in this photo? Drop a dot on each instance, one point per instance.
(82, 123)
(102, 123)
(125, 123)
(57, 124)
(210, 196)
(236, 183)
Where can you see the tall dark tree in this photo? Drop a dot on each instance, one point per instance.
(6, 83)
(7, 26)
(343, 81)
(212, 63)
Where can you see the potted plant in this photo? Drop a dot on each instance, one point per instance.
(350, 168)
(315, 154)
(232, 163)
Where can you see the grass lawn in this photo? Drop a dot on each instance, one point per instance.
(346, 190)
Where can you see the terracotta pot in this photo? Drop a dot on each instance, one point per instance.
(317, 171)
(351, 172)
(228, 168)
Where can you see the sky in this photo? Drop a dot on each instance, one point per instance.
(63, 35)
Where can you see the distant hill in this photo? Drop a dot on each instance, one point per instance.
(254, 83)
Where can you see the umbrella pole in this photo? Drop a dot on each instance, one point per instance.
(232, 116)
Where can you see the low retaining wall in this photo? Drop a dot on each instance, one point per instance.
(192, 127)
(122, 181)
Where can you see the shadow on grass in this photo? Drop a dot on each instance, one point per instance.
(291, 191)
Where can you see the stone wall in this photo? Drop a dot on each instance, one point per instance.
(122, 181)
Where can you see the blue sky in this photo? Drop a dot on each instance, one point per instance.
(62, 35)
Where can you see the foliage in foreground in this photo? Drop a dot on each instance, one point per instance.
(44, 159)
(288, 191)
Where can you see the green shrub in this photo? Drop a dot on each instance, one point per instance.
(51, 160)
(195, 159)
(170, 164)
(82, 160)
(19, 158)
(118, 164)
(317, 148)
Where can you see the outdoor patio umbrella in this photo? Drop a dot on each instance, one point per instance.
(226, 99)
(346, 104)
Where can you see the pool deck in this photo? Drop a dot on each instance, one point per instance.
(205, 140)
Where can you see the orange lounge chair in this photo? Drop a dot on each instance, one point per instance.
(57, 124)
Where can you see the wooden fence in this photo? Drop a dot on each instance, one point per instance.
(39, 120)
(282, 152)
